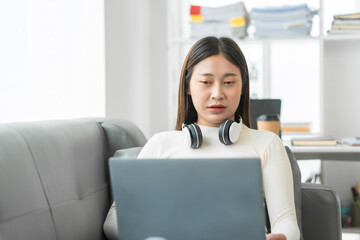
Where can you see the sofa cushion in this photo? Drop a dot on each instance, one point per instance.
(68, 175)
(24, 210)
(321, 212)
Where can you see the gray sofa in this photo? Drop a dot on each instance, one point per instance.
(54, 181)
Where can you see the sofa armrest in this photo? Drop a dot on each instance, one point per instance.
(121, 134)
(321, 217)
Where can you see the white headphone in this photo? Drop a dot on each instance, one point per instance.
(229, 133)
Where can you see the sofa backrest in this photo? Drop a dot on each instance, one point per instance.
(53, 179)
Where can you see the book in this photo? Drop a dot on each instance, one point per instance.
(347, 16)
(351, 141)
(346, 22)
(314, 141)
(345, 27)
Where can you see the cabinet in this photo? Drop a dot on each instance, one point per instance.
(317, 77)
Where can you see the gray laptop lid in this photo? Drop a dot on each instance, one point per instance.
(185, 199)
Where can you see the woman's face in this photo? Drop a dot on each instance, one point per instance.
(215, 89)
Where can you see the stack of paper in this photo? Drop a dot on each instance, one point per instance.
(282, 21)
(230, 20)
(346, 24)
(238, 27)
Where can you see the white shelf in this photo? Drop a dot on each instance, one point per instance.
(342, 37)
(338, 37)
(254, 40)
(351, 230)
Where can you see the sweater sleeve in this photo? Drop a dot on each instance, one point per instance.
(278, 190)
(152, 148)
(110, 226)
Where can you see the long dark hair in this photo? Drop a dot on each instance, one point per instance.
(202, 49)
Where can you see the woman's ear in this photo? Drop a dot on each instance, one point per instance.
(188, 91)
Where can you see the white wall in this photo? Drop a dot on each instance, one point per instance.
(136, 63)
(341, 110)
(341, 88)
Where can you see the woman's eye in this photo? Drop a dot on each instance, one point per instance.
(205, 82)
(229, 82)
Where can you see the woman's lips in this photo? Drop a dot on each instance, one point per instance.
(216, 108)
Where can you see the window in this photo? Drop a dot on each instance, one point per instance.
(52, 60)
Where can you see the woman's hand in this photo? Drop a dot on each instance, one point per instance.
(274, 236)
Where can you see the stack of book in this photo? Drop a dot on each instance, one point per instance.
(346, 24)
(282, 21)
(230, 20)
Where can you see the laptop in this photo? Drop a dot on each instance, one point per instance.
(263, 106)
(188, 199)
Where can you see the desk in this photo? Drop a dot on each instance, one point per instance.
(338, 180)
(338, 152)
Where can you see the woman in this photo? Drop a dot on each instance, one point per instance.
(213, 95)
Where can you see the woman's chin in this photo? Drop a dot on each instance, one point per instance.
(212, 122)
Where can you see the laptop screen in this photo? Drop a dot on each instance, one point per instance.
(188, 198)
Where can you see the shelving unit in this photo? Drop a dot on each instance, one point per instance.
(336, 77)
(322, 70)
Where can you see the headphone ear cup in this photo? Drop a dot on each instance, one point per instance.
(193, 136)
(224, 132)
(234, 131)
(229, 131)
(187, 136)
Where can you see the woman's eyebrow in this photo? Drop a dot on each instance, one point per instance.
(230, 75)
(207, 75)
(225, 75)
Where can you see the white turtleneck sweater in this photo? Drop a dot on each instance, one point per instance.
(276, 169)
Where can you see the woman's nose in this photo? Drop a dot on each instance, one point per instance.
(217, 91)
